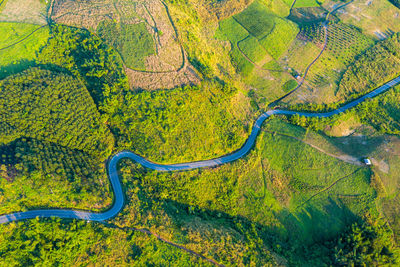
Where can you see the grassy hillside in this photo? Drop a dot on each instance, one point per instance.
(19, 43)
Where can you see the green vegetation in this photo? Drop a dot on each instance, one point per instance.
(15, 54)
(91, 61)
(37, 174)
(345, 42)
(256, 19)
(252, 49)
(53, 107)
(175, 125)
(306, 3)
(280, 38)
(55, 242)
(395, 2)
(289, 85)
(376, 66)
(368, 244)
(132, 41)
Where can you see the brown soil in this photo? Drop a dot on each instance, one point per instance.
(168, 68)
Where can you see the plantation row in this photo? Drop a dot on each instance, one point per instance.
(54, 107)
(344, 41)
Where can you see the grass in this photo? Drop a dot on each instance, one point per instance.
(230, 29)
(289, 86)
(259, 33)
(257, 19)
(132, 41)
(279, 40)
(252, 49)
(306, 3)
(284, 185)
(22, 54)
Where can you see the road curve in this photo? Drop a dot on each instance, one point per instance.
(116, 184)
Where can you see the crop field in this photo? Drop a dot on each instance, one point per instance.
(344, 41)
(19, 52)
(257, 19)
(27, 11)
(133, 41)
(141, 31)
(256, 44)
(279, 40)
(378, 19)
(305, 15)
(306, 3)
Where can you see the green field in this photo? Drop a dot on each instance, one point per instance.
(252, 49)
(132, 41)
(306, 3)
(17, 52)
(280, 38)
(257, 19)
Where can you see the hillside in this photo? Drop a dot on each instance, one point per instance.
(199, 133)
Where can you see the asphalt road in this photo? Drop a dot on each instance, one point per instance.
(116, 185)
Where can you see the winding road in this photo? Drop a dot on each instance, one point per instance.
(116, 184)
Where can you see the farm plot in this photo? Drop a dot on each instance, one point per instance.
(27, 11)
(376, 18)
(257, 29)
(344, 43)
(258, 37)
(142, 33)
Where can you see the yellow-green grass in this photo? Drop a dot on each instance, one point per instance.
(229, 29)
(19, 50)
(257, 19)
(252, 49)
(133, 42)
(279, 40)
(279, 7)
(283, 185)
(306, 3)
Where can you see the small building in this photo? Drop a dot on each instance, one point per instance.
(367, 162)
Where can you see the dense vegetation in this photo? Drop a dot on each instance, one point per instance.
(395, 2)
(175, 126)
(54, 243)
(90, 60)
(54, 107)
(376, 66)
(42, 174)
(286, 202)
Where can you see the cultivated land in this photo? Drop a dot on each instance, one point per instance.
(257, 161)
